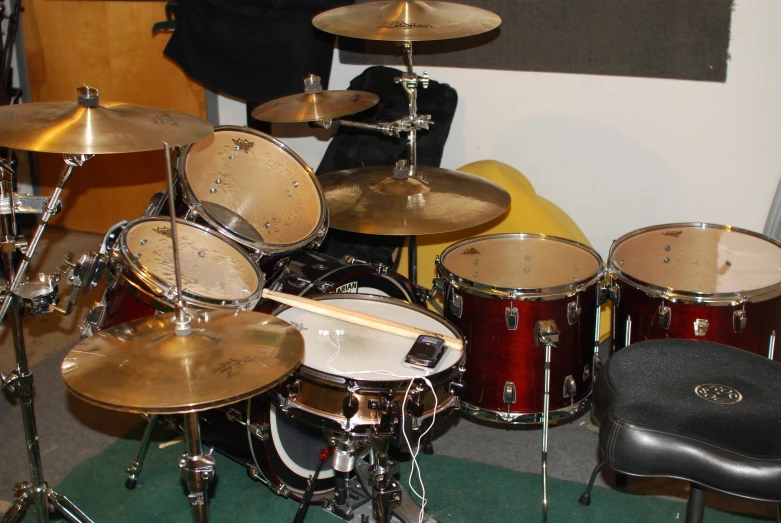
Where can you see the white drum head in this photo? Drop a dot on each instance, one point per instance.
(698, 258)
(254, 187)
(518, 261)
(364, 352)
(211, 267)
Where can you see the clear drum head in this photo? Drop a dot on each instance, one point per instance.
(214, 271)
(699, 259)
(521, 262)
(253, 189)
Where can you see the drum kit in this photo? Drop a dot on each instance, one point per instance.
(222, 320)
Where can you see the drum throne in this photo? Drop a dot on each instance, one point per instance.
(693, 410)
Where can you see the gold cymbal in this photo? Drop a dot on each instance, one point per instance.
(310, 107)
(85, 127)
(144, 366)
(370, 200)
(407, 21)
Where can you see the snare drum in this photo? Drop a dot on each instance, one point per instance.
(697, 281)
(215, 272)
(497, 290)
(256, 191)
(351, 374)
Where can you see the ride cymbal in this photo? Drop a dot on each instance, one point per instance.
(144, 366)
(370, 200)
(310, 107)
(407, 21)
(86, 127)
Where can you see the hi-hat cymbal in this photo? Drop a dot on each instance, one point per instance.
(370, 200)
(310, 107)
(407, 21)
(144, 366)
(85, 127)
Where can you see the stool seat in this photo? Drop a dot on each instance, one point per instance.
(694, 410)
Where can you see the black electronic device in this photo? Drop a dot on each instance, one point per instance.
(426, 351)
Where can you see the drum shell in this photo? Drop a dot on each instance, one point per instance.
(123, 304)
(497, 355)
(763, 320)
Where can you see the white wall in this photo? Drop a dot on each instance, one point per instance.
(620, 153)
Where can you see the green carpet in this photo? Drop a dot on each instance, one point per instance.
(459, 492)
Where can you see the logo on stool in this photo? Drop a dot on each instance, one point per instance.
(720, 394)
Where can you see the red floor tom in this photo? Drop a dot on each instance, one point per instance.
(497, 290)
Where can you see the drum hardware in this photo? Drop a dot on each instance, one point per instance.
(771, 346)
(739, 319)
(304, 506)
(627, 331)
(573, 310)
(548, 335)
(510, 317)
(701, 327)
(457, 306)
(22, 203)
(665, 316)
(386, 491)
(570, 387)
(509, 395)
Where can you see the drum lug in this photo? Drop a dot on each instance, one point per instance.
(603, 294)
(260, 432)
(739, 321)
(93, 320)
(573, 312)
(570, 387)
(349, 405)
(456, 305)
(509, 394)
(664, 315)
(597, 367)
(457, 389)
(701, 327)
(415, 401)
(614, 293)
(386, 407)
(511, 317)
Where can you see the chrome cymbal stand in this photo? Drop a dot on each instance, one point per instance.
(547, 335)
(20, 380)
(410, 124)
(196, 468)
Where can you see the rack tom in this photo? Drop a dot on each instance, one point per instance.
(697, 281)
(500, 290)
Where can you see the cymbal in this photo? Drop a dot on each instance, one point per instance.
(407, 21)
(310, 107)
(85, 127)
(144, 366)
(370, 200)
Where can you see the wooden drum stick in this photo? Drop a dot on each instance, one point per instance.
(358, 318)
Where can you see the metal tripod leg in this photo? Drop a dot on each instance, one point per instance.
(197, 469)
(134, 470)
(385, 489)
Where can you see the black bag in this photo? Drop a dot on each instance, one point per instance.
(352, 148)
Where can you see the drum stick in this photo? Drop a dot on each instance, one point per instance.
(358, 318)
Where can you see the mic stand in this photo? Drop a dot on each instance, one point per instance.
(21, 379)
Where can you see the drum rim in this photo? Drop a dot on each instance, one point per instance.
(378, 386)
(315, 236)
(159, 289)
(693, 297)
(519, 293)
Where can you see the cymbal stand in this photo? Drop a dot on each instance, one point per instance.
(409, 124)
(547, 335)
(196, 468)
(21, 379)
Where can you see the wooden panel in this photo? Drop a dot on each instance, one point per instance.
(109, 45)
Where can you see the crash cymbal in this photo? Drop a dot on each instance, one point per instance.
(315, 106)
(86, 127)
(370, 200)
(144, 366)
(407, 21)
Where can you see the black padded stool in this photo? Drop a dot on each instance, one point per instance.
(692, 410)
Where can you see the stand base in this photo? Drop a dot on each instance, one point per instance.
(26, 495)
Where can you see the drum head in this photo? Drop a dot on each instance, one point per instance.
(213, 270)
(362, 353)
(521, 261)
(698, 258)
(254, 189)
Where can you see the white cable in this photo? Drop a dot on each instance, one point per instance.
(413, 454)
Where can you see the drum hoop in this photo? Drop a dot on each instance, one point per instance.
(315, 237)
(520, 293)
(693, 297)
(120, 256)
(378, 386)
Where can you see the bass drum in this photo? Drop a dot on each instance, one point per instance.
(311, 273)
(283, 450)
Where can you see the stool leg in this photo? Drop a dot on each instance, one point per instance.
(778, 513)
(585, 498)
(696, 506)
